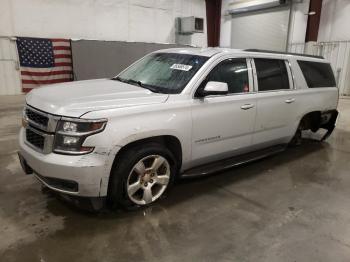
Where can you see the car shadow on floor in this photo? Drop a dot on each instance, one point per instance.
(189, 189)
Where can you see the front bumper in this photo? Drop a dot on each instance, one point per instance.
(82, 175)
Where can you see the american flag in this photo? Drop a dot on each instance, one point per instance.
(44, 61)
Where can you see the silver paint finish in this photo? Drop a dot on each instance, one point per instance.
(208, 129)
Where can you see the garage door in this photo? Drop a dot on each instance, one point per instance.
(266, 29)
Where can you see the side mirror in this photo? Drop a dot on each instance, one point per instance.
(214, 88)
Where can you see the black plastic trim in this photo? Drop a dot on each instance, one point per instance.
(281, 53)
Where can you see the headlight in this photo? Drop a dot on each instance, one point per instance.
(71, 134)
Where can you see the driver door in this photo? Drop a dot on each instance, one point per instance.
(223, 125)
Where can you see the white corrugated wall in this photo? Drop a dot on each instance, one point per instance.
(9, 73)
(337, 53)
(296, 48)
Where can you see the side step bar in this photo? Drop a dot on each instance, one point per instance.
(228, 163)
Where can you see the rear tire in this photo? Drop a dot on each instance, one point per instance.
(141, 176)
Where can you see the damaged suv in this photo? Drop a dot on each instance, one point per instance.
(173, 113)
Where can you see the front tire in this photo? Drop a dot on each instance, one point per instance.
(141, 176)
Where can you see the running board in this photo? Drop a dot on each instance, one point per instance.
(228, 163)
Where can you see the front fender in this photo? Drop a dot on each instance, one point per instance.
(127, 125)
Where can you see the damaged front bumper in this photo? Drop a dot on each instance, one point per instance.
(65, 189)
(78, 177)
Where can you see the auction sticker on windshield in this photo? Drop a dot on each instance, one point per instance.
(181, 67)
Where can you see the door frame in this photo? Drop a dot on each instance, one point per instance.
(292, 87)
(215, 63)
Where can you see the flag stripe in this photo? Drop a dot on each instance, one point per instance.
(63, 64)
(49, 73)
(63, 44)
(60, 40)
(28, 89)
(50, 77)
(63, 60)
(61, 48)
(62, 56)
(56, 68)
(45, 82)
(63, 52)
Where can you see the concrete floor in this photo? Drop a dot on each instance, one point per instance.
(294, 206)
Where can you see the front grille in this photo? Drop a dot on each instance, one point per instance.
(37, 118)
(35, 139)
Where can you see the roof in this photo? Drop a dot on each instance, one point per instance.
(211, 51)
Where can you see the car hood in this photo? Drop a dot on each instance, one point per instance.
(77, 98)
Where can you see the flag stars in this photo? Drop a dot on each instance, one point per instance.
(36, 52)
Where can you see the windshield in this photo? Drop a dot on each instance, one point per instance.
(163, 72)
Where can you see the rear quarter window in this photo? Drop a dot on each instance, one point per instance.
(317, 74)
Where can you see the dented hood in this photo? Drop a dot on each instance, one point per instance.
(76, 98)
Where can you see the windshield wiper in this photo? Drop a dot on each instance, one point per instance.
(132, 81)
(119, 79)
(138, 83)
(128, 81)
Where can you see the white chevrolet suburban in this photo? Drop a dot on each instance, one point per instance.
(174, 113)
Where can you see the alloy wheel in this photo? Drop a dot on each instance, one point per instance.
(148, 179)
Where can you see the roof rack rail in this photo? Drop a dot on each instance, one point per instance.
(281, 53)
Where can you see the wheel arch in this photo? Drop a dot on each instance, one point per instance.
(171, 142)
(311, 120)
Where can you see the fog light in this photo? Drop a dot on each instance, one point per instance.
(70, 140)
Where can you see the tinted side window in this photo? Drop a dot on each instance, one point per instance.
(317, 74)
(272, 74)
(234, 72)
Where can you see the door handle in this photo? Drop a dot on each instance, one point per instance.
(247, 106)
(291, 100)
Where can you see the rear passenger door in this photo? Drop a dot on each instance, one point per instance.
(276, 101)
